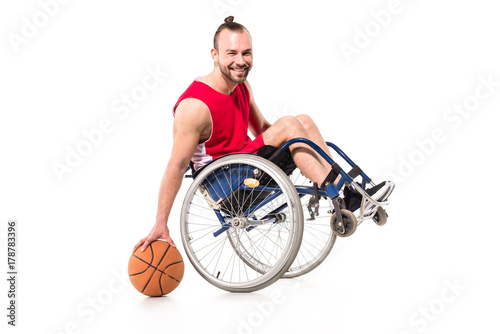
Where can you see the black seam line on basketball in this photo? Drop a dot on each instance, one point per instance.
(159, 279)
(155, 268)
(159, 283)
(149, 264)
(152, 257)
(171, 264)
(175, 279)
(162, 271)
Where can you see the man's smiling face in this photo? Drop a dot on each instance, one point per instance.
(234, 57)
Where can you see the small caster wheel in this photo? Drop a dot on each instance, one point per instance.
(347, 226)
(380, 217)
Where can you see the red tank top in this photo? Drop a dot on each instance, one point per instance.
(230, 115)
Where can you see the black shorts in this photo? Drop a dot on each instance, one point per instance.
(283, 160)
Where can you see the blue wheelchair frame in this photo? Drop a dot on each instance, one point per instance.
(331, 190)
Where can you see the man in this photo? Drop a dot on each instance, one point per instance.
(213, 116)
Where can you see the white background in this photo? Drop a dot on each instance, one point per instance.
(77, 234)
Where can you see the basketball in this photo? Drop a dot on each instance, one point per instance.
(158, 270)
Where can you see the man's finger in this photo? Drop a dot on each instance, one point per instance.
(171, 242)
(138, 244)
(146, 244)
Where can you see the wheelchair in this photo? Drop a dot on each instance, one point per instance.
(242, 220)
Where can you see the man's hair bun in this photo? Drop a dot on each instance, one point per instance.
(230, 25)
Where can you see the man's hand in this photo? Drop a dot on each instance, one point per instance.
(159, 231)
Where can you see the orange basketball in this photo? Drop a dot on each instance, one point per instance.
(156, 271)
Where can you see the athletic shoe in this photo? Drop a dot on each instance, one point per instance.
(389, 191)
(380, 193)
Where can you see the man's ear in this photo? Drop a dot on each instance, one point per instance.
(215, 55)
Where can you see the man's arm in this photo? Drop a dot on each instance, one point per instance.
(257, 123)
(192, 125)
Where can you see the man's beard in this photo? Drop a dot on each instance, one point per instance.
(237, 80)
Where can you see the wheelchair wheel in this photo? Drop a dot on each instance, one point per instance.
(349, 223)
(318, 238)
(241, 223)
(380, 217)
